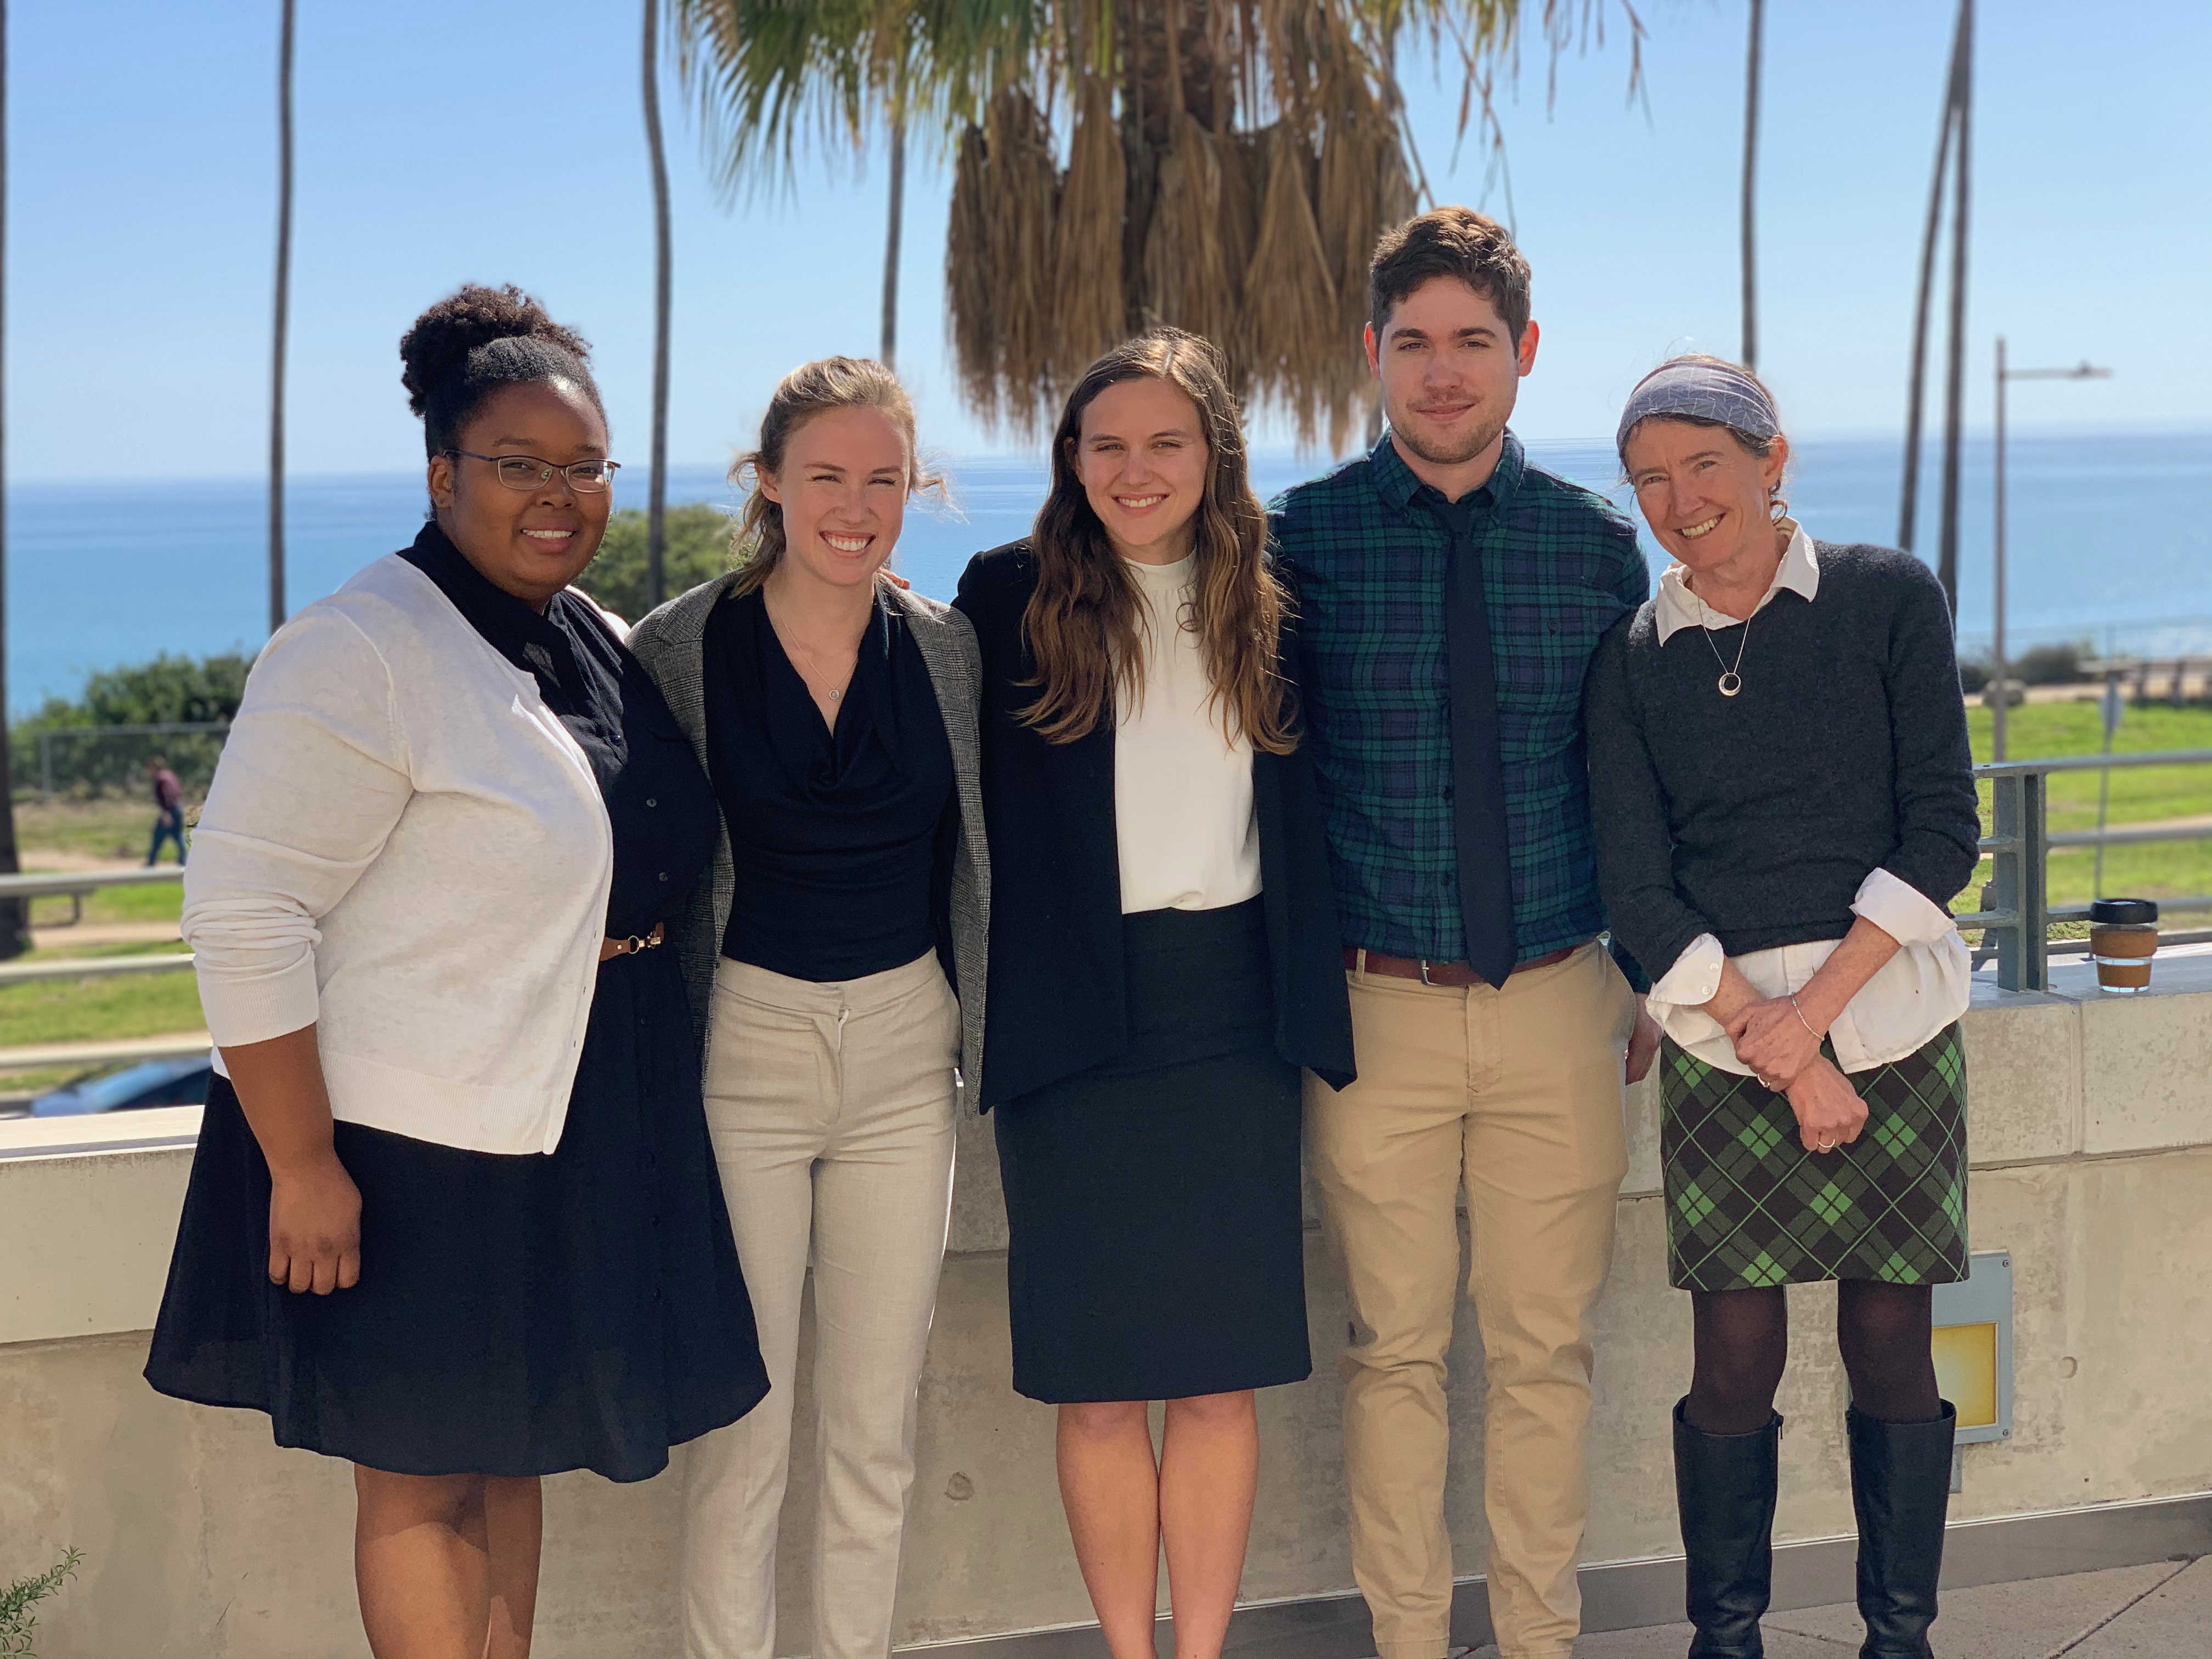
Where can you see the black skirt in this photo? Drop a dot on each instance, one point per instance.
(1156, 1242)
(516, 1316)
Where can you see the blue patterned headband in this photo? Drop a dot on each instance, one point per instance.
(1704, 389)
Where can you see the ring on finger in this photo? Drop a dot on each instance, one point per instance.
(1826, 1146)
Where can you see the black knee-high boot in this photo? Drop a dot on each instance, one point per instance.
(1725, 1487)
(1901, 1488)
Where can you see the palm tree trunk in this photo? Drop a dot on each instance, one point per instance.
(1750, 197)
(656, 511)
(282, 322)
(894, 232)
(1954, 399)
(1916, 397)
(15, 914)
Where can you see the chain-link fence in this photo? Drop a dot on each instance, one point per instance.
(79, 761)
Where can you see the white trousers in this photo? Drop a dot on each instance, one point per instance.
(831, 1110)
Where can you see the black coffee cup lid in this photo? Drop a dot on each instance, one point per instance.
(2121, 910)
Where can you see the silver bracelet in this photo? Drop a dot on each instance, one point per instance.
(1801, 1020)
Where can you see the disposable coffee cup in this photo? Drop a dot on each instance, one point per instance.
(2123, 939)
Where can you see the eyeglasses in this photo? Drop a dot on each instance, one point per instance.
(528, 472)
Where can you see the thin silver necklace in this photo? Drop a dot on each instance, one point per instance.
(1731, 681)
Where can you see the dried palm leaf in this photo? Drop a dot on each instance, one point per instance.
(1290, 299)
(1089, 311)
(999, 264)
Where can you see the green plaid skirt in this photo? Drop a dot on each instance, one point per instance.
(1747, 1206)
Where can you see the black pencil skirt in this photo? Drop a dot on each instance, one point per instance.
(1157, 1239)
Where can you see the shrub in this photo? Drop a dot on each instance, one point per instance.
(697, 551)
(1973, 674)
(17, 1625)
(168, 690)
(2047, 665)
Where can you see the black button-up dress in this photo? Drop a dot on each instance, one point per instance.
(516, 1315)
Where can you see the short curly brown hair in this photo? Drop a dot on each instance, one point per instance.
(477, 341)
(1449, 241)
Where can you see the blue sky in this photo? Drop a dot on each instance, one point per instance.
(445, 140)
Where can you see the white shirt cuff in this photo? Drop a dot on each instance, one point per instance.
(1900, 909)
(1695, 978)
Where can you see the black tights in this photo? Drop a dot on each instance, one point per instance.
(1743, 1337)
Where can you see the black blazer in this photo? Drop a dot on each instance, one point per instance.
(1057, 995)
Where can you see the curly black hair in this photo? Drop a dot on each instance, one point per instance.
(477, 340)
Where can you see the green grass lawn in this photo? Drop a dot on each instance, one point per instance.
(97, 1010)
(98, 828)
(2139, 794)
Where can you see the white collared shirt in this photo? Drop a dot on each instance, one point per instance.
(1915, 994)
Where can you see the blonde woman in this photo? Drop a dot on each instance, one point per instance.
(836, 961)
(1166, 958)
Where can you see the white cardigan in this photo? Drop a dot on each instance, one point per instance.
(404, 847)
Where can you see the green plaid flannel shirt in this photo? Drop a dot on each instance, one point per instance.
(1368, 558)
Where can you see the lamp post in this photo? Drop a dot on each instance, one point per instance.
(2081, 371)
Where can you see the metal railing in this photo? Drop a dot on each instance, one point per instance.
(2016, 921)
(2019, 912)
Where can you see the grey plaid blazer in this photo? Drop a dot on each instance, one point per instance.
(669, 643)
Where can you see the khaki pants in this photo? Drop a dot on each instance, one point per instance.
(830, 1107)
(1517, 1093)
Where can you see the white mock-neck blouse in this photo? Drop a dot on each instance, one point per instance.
(1182, 788)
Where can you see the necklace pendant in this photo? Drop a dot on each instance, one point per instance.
(1729, 683)
(838, 696)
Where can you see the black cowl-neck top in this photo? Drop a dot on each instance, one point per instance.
(841, 837)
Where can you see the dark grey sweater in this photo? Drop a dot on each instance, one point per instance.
(1755, 817)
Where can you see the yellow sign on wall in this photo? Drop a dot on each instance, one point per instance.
(1966, 1372)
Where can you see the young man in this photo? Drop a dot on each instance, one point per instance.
(1452, 595)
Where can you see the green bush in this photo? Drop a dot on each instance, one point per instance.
(168, 690)
(697, 551)
(17, 1625)
(2047, 665)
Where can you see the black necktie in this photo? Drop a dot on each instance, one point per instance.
(1486, 866)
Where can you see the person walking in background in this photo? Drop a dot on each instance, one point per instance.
(1164, 958)
(168, 810)
(837, 962)
(1453, 595)
(1781, 832)
(452, 1215)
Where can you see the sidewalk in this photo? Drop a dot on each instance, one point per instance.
(2159, 1612)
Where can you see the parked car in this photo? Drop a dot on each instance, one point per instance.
(182, 1082)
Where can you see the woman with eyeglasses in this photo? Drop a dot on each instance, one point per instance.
(454, 1215)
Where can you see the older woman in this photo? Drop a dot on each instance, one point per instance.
(453, 1216)
(1164, 958)
(837, 966)
(1780, 832)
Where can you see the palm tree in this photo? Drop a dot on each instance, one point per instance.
(15, 914)
(1222, 165)
(1951, 158)
(284, 308)
(656, 512)
(1750, 197)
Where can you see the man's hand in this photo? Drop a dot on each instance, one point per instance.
(1643, 1044)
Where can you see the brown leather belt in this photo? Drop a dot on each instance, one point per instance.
(1440, 972)
(612, 948)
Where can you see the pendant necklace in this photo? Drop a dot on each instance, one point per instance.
(1730, 681)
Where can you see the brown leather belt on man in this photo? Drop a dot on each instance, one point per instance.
(1439, 973)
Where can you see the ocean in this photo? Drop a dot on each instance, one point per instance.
(2109, 542)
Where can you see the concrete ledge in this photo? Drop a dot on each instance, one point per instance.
(1631, 1595)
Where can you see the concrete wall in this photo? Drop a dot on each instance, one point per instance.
(2092, 1135)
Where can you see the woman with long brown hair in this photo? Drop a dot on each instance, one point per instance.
(1164, 958)
(837, 966)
